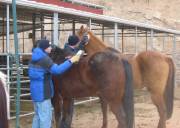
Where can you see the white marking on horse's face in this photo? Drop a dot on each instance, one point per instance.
(135, 55)
(88, 38)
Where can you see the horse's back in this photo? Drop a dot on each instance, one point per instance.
(150, 56)
(109, 71)
(154, 69)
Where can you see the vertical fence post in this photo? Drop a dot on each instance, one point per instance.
(34, 29)
(174, 44)
(174, 53)
(103, 32)
(164, 40)
(17, 63)
(122, 38)
(74, 27)
(174, 48)
(115, 35)
(89, 25)
(42, 24)
(55, 29)
(152, 38)
(7, 51)
(146, 40)
(136, 48)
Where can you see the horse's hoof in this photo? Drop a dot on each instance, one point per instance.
(63, 125)
(104, 126)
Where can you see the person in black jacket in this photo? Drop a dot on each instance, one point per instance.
(74, 44)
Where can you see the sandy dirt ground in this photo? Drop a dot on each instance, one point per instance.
(146, 116)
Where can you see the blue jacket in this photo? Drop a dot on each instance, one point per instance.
(40, 69)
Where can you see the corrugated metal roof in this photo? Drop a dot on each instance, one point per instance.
(71, 5)
(95, 17)
(86, 3)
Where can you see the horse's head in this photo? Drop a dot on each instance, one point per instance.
(83, 30)
(57, 54)
(94, 44)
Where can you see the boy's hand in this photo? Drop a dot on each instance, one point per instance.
(77, 57)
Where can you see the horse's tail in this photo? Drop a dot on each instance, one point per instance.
(169, 90)
(3, 107)
(128, 102)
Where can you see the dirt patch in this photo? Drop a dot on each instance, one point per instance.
(146, 116)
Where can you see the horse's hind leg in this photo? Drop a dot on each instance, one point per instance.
(104, 111)
(119, 113)
(158, 100)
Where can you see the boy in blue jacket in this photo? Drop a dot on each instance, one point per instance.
(40, 69)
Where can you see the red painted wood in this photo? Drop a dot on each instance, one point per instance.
(70, 5)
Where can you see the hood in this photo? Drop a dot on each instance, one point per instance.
(38, 54)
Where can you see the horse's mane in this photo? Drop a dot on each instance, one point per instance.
(57, 54)
(98, 42)
(95, 44)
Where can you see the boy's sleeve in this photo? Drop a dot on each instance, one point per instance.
(53, 68)
(45, 62)
(61, 68)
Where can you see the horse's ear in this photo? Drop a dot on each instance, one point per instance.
(86, 28)
(81, 28)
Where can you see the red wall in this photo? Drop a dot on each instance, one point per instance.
(70, 5)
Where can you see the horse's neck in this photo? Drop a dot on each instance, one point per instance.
(94, 45)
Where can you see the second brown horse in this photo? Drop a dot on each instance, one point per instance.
(156, 72)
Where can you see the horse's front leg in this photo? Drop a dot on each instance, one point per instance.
(57, 104)
(68, 108)
(104, 111)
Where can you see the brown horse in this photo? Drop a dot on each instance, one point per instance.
(94, 75)
(155, 71)
(3, 104)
